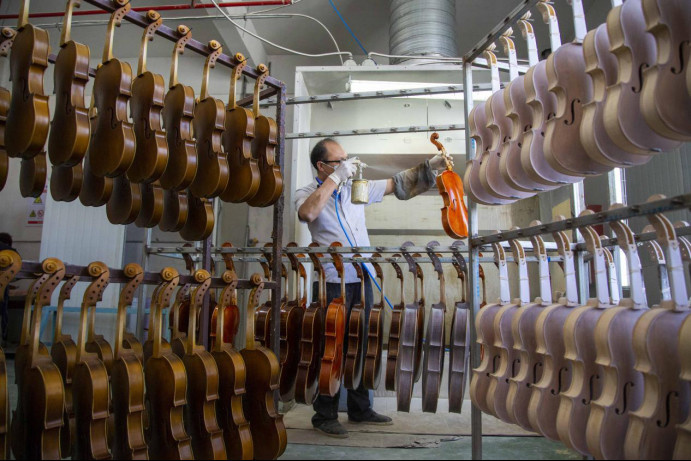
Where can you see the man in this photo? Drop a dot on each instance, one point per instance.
(331, 217)
(5, 244)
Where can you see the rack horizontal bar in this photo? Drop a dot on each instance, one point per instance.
(373, 131)
(640, 238)
(30, 269)
(498, 30)
(619, 214)
(193, 45)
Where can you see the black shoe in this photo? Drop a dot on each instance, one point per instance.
(373, 418)
(332, 428)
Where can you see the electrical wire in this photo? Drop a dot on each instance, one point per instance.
(289, 50)
(252, 13)
(333, 5)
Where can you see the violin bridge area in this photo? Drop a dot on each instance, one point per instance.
(508, 196)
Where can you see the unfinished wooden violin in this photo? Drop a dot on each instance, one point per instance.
(525, 342)
(459, 348)
(292, 313)
(262, 381)
(209, 122)
(371, 374)
(549, 328)
(237, 142)
(312, 339)
(484, 323)
(64, 355)
(202, 383)
(434, 348)
(200, 219)
(264, 147)
(90, 382)
(7, 36)
(95, 191)
(262, 319)
(10, 265)
(28, 118)
(178, 113)
(334, 335)
(622, 386)
(112, 145)
(38, 419)
(352, 367)
(233, 375)
(166, 385)
(652, 427)
(394, 331)
(127, 379)
(454, 215)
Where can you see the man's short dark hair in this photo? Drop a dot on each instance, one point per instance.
(6, 238)
(319, 151)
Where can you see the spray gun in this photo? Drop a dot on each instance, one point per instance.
(360, 189)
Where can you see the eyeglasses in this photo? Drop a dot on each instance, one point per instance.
(331, 161)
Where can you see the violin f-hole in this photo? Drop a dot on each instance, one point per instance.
(537, 366)
(677, 70)
(573, 112)
(668, 410)
(591, 389)
(625, 392)
(494, 364)
(560, 381)
(514, 371)
(642, 68)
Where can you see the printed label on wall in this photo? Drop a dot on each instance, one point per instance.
(36, 210)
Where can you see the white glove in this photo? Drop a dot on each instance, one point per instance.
(343, 172)
(438, 162)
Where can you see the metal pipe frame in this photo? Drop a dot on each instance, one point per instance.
(30, 269)
(373, 131)
(194, 45)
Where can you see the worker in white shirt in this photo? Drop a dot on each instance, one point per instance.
(326, 207)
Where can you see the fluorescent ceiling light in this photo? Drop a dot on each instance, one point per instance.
(363, 86)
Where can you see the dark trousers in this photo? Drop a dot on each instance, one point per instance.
(4, 315)
(325, 407)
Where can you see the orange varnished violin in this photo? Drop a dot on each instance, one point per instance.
(70, 129)
(112, 145)
(394, 331)
(334, 335)
(292, 313)
(178, 112)
(454, 215)
(434, 348)
(43, 390)
(312, 339)
(231, 312)
(354, 352)
(166, 385)
(262, 318)
(233, 375)
(90, 382)
(10, 265)
(264, 147)
(64, 355)
(179, 314)
(6, 39)
(127, 379)
(29, 116)
(371, 374)
(209, 117)
(202, 383)
(459, 341)
(262, 381)
(22, 359)
(237, 142)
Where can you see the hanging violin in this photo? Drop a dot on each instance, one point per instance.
(334, 332)
(231, 312)
(434, 348)
(312, 339)
(454, 215)
(28, 118)
(178, 113)
(352, 366)
(112, 145)
(180, 312)
(264, 147)
(127, 379)
(459, 350)
(237, 142)
(233, 375)
(262, 381)
(371, 374)
(292, 314)
(394, 331)
(6, 39)
(10, 265)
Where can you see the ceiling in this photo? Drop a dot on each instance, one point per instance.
(369, 20)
